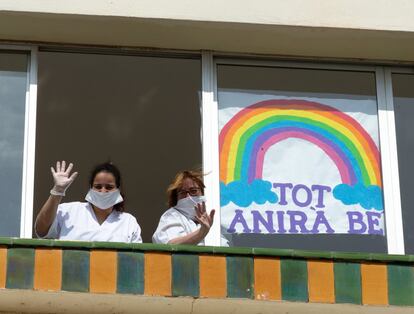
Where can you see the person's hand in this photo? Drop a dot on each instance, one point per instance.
(62, 177)
(205, 219)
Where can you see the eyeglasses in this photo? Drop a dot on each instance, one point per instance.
(191, 191)
(107, 187)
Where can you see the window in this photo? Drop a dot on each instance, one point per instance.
(143, 113)
(140, 112)
(287, 136)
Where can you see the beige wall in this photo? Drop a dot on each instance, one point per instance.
(369, 29)
(393, 15)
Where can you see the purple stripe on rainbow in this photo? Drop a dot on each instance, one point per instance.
(271, 137)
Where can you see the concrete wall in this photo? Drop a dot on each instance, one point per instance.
(370, 29)
(18, 301)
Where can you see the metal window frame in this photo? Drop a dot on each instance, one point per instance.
(386, 120)
(389, 162)
(210, 143)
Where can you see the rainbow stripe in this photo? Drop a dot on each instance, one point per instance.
(245, 139)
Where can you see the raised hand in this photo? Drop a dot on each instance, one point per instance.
(62, 177)
(206, 220)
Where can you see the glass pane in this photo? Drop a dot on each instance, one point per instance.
(13, 80)
(403, 89)
(142, 113)
(299, 159)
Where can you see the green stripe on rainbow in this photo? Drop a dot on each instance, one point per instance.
(245, 139)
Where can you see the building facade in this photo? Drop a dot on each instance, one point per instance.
(298, 112)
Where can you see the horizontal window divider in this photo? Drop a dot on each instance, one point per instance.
(298, 64)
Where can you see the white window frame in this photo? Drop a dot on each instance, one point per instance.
(388, 143)
(29, 145)
(210, 144)
(389, 162)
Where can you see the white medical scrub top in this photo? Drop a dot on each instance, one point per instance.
(77, 221)
(173, 224)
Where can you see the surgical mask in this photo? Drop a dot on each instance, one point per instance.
(186, 205)
(104, 200)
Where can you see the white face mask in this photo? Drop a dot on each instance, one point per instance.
(186, 205)
(104, 200)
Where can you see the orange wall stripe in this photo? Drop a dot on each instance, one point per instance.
(321, 281)
(48, 269)
(157, 274)
(267, 284)
(3, 266)
(103, 271)
(374, 284)
(213, 276)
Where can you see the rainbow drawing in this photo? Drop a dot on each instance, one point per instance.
(245, 139)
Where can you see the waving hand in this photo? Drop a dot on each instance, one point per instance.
(62, 177)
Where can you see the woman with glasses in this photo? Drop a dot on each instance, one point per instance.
(100, 218)
(186, 221)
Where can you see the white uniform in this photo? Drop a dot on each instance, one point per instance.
(173, 224)
(77, 221)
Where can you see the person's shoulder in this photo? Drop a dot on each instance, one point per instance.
(171, 213)
(128, 220)
(72, 206)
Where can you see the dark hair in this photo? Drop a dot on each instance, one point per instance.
(196, 176)
(112, 169)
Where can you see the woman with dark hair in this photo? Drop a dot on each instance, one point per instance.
(100, 218)
(186, 221)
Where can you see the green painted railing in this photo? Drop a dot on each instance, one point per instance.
(351, 256)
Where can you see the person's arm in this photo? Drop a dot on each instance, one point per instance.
(195, 237)
(47, 214)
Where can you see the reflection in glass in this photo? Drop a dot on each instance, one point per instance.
(403, 90)
(13, 80)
